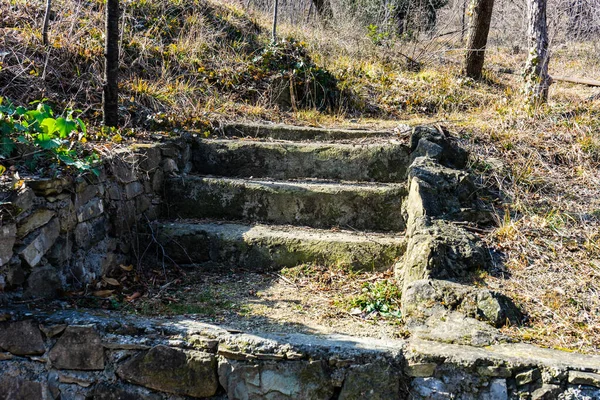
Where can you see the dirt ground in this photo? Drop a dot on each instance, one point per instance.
(304, 299)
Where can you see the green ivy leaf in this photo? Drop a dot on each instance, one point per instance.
(64, 127)
(48, 126)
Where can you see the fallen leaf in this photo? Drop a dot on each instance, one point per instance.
(126, 267)
(133, 296)
(111, 281)
(103, 293)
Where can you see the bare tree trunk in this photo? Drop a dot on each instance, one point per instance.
(46, 22)
(463, 24)
(537, 80)
(479, 28)
(111, 68)
(323, 8)
(275, 10)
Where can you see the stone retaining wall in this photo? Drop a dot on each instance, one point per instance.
(62, 234)
(105, 356)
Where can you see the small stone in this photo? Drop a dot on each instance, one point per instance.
(498, 389)
(158, 181)
(133, 189)
(36, 220)
(546, 392)
(37, 248)
(371, 381)
(584, 378)
(149, 156)
(6, 356)
(21, 338)
(91, 232)
(80, 348)
(123, 170)
(78, 378)
(183, 372)
(299, 380)
(528, 376)
(23, 199)
(430, 388)
(91, 209)
(420, 370)
(8, 235)
(49, 187)
(107, 391)
(53, 330)
(170, 166)
(17, 388)
(494, 371)
(42, 283)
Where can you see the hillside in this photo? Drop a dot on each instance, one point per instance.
(195, 64)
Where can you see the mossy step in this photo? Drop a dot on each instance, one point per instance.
(380, 162)
(318, 204)
(290, 132)
(261, 247)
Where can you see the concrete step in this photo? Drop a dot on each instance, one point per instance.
(385, 161)
(290, 132)
(318, 204)
(263, 247)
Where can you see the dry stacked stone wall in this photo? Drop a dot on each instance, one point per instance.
(63, 233)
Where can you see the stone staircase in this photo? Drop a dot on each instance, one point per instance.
(261, 200)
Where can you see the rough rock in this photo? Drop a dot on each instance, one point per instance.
(47, 187)
(449, 153)
(301, 380)
(92, 209)
(420, 370)
(453, 327)
(528, 376)
(43, 282)
(107, 391)
(371, 381)
(8, 235)
(546, 392)
(21, 338)
(34, 221)
(149, 156)
(184, 372)
(43, 241)
(80, 348)
(16, 388)
(133, 189)
(584, 378)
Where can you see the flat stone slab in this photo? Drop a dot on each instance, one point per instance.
(289, 132)
(318, 204)
(265, 247)
(379, 162)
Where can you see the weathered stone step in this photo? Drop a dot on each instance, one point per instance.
(265, 247)
(316, 204)
(382, 162)
(290, 132)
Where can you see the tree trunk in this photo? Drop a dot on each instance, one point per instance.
(479, 27)
(46, 22)
(275, 10)
(323, 8)
(537, 80)
(111, 67)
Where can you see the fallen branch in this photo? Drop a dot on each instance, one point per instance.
(580, 81)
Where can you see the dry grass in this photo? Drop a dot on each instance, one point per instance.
(186, 65)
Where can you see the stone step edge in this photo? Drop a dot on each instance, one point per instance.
(307, 183)
(286, 230)
(271, 247)
(294, 132)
